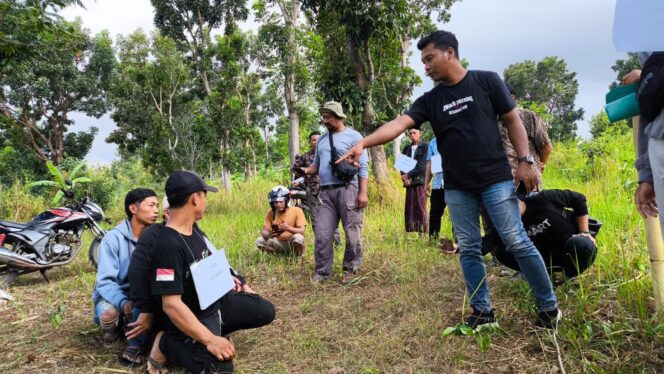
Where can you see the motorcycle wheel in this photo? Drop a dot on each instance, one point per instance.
(93, 251)
(8, 279)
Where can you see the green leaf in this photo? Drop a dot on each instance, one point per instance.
(58, 197)
(76, 169)
(450, 330)
(43, 183)
(81, 180)
(57, 174)
(466, 330)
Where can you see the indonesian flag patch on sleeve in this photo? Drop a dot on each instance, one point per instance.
(165, 274)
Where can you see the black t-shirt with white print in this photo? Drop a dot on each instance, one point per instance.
(464, 118)
(170, 270)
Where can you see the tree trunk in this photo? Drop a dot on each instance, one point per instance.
(364, 75)
(290, 13)
(379, 164)
(226, 175)
(293, 135)
(226, 171)
(396, 145)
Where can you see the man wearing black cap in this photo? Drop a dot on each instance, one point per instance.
(192, 337)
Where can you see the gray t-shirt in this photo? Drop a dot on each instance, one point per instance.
(343, 141)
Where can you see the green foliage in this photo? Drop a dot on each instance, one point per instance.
(548, 83)
(63, 182)
(599, 124)
(26, 26)
(69, 73)
(57, 315)
(622, 67)
(156, 112)
(18, 204)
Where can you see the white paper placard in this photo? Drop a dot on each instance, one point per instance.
(212, 278)
(436, 164)
(638, 26)
(404, 163)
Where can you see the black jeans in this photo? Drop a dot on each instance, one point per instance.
(436, 211)
(574, 258)
(238, 311)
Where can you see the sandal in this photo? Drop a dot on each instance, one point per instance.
(132, 356)
(155, 367)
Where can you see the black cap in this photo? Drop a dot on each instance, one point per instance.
(184, 182)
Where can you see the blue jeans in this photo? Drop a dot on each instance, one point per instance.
(501, 204)
(102, 305)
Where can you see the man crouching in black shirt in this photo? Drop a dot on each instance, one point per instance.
(557, 223)
(192, 337)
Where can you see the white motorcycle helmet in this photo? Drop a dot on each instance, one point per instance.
(278, 193)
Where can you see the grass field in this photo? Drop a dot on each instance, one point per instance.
(391, 320)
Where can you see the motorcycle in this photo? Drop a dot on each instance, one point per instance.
(52, 238)
(298, 195)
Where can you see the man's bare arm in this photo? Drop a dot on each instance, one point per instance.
(382, 135)
(427, 175)
(363, 193)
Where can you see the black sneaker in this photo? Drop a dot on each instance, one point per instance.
(549, 320)
(481, 320)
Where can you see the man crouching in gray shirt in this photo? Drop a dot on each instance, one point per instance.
(339, 200)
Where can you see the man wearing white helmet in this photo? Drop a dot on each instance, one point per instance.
(283, 227)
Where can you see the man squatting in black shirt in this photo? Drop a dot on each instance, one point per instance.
(557, 223)
(159, 268)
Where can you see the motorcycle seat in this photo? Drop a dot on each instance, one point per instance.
(14, 226)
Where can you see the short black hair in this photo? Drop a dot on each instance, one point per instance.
(136, 196)
(176, 202)
(315, 132)
(510, 89)
(442, 40)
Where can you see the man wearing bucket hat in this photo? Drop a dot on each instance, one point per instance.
(343, 194)
(193, 337)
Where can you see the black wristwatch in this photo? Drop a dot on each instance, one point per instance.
(529, 159)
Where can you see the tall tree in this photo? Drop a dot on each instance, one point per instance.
(233, 101)
(155, 112)
(190, 22)
(282, 38)
(26, 26)
(622, 67)
(70, 73)
(374, 43)
(548, 82)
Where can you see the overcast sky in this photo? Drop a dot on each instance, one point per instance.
(492, 35)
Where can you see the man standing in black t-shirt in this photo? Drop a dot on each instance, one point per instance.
(463, 111)
(194, 338)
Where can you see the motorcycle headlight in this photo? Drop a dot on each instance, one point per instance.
(94, 211)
